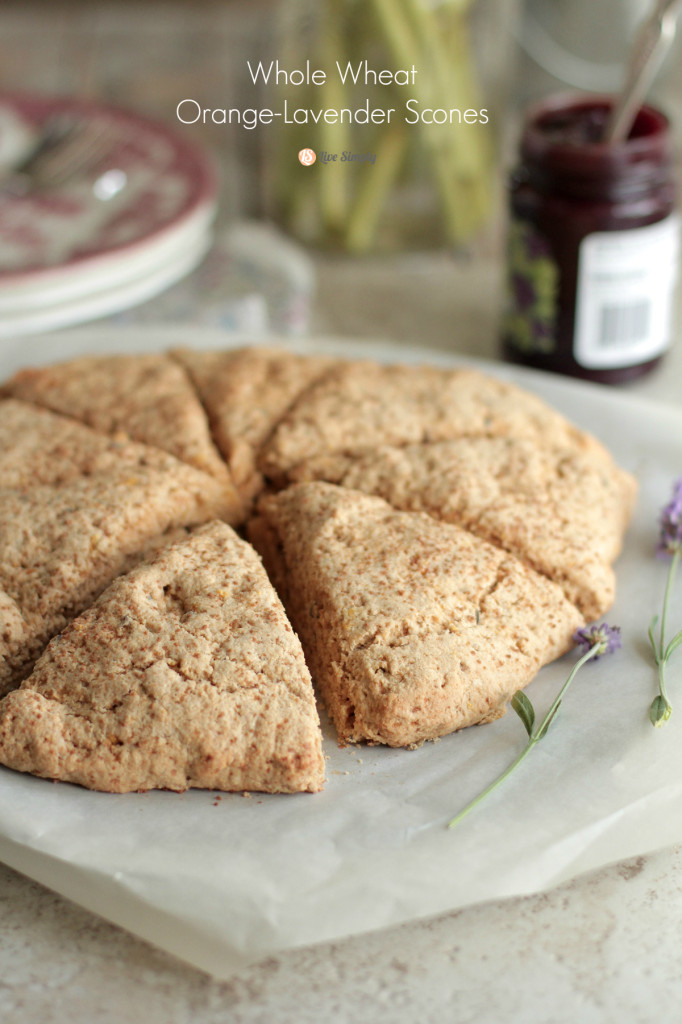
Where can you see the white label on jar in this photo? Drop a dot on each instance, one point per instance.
(625, 291)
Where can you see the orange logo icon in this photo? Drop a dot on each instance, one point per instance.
(307, 157)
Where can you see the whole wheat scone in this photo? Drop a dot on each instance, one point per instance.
(184, 673)
(562, 512)
(41, 447)
(246, 392)
(361, 405)
(147, 396)
(412, 628)
(63, 540)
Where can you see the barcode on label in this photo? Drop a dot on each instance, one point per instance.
(624, 325)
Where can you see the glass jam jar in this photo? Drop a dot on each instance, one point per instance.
(593, 243)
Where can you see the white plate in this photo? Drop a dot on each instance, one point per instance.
(36, 317)
(222, 883)
(35, 295)
(111, 300)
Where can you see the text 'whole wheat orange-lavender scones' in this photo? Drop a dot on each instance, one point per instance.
(412, 628)
(184, 673)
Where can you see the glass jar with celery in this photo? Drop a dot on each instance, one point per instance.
(385, 95)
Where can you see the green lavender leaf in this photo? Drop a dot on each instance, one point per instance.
(652, 638)
(673, 645)
(525, 710)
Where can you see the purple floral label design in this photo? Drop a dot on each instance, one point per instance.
(532, 283)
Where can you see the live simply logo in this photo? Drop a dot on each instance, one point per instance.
(309, 156)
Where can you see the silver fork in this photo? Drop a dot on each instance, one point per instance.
(68, 147)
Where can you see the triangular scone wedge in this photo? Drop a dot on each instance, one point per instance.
(41, 447)
(562, 512)
(245, 393)
(73, 521)
(363, 404)
(184, 673)
(411, 628)
(149, 397)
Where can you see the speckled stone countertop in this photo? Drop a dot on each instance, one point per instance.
(602, 948)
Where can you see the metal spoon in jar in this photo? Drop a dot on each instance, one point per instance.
(651, 45)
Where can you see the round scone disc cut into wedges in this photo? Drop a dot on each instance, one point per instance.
(562, 511)
(184, 673)
(148, 397)
(412, 628)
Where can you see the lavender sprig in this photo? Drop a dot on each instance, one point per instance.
(595, 641)
(669, 545)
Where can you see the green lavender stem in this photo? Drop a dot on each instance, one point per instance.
(661, 708)
(668, 590)
(535, 736)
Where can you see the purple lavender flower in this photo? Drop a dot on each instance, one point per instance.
(670, 539)
(606, 639)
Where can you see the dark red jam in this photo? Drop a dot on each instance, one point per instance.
(592, 254)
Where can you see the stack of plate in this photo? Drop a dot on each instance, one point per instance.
(109, 237)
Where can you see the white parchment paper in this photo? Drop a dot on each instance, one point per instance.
(224, 881)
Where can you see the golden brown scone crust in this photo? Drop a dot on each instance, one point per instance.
(184, 673)
(412, 628)
(362, 405)
(41, 447)
(245, 393)
(148, 397)
(73, 515)
(562, 512)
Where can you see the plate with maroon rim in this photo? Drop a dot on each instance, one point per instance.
(69, 238)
